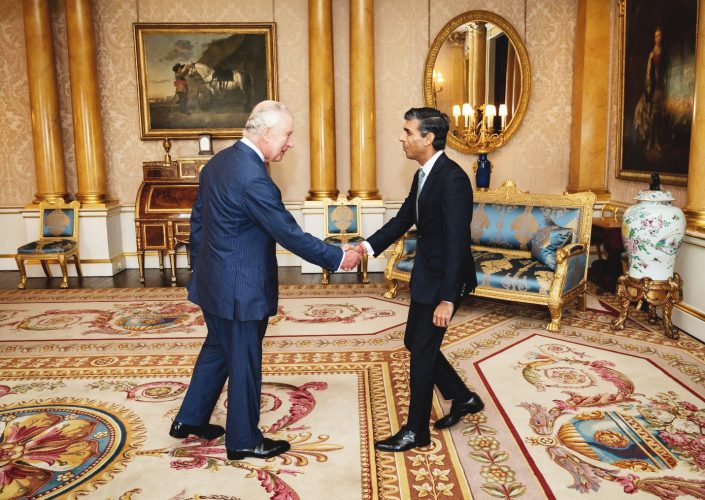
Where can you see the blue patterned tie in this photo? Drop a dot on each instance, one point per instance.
(422, 176)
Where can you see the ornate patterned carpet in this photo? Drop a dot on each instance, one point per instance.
(90, 380)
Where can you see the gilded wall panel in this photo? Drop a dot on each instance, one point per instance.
(17, 166)
(292, 174)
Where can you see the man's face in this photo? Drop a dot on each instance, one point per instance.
(278, 139)
(415, 146)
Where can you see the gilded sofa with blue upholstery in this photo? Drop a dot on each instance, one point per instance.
(529, 248)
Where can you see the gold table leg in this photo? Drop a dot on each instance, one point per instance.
(655, 293)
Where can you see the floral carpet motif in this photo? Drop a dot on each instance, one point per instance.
(90, 380)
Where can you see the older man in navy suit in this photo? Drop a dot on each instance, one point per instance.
(237, 219)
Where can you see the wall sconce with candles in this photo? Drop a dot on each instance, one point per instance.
(478, 132)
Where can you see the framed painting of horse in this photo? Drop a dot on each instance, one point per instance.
(657, 88)
(195, 79)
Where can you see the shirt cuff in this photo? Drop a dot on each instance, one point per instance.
(341, 260)
(368, 248)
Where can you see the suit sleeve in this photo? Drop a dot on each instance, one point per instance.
(263, 204)
(195, 237)
(397, 225)
(456, 206)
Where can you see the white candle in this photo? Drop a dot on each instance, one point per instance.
(467, 111)
(456, 113)
(490, 112)
(503, 114)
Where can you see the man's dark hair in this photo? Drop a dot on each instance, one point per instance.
(431, 120)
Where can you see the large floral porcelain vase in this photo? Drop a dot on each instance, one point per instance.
(652, 232)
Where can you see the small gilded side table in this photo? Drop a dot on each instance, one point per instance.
(656, 293)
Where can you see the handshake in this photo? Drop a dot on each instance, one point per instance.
(353, 255)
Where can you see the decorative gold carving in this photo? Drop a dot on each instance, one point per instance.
(664, 293)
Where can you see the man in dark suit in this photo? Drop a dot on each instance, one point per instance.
(236, 221)
(440, 204)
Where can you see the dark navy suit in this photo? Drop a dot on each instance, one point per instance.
(237, 218)
(444, 270)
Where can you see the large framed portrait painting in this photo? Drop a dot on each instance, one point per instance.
(197, 79)
(657, 77)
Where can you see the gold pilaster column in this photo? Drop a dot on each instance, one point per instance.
(363, 149)
(695, 201)
(88, 131)
(479, 61)
(321, 100)
(588, 148)
(44, 102)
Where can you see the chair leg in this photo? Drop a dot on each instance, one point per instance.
(64, 272)
(363, 267)
(582, 301)
(161, 260)
(23, 274)
(324, 278)
(47, 269)
(77, 263)
(392, 286)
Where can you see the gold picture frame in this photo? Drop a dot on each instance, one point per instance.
(198, 78)
(656, 75)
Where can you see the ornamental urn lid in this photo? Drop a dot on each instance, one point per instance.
(659, 196)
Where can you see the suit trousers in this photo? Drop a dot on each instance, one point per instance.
(233, 351)
(429, 367)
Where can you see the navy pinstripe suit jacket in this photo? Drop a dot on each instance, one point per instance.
(237, 218)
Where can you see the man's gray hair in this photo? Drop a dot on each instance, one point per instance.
(266, 114)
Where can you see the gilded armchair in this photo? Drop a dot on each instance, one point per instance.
(341, 221)
(58, 240)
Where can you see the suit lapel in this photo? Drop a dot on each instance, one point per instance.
(430, 181)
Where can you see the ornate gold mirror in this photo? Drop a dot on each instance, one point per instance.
(477, 71)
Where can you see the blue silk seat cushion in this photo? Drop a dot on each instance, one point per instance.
(546, 243)
(405, 265)
(512, 273)
(47, 247)
(339, 241)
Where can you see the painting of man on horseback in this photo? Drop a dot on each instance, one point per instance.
(203, 77)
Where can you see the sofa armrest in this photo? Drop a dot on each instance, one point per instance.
(571, 269)
(404, 246)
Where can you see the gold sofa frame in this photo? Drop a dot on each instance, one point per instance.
(509, 194)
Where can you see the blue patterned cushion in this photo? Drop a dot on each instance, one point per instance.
(44, 247)
(511, 273)
(513, 226)
(342, 219)
(546, 243)
(58, 223)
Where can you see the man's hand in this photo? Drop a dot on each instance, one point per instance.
(351, 259)
(442, 314)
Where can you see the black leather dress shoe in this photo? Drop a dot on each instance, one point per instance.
(208, 431)
(402, 441)
(458, 411)
(265, 449)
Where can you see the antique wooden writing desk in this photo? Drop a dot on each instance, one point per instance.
(163, 208)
